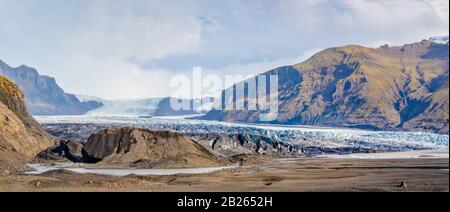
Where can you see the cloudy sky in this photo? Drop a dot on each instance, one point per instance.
(122, 49)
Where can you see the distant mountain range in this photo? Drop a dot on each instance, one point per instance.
(43, 95)
(386, 88)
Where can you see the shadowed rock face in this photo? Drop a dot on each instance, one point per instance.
(21, 137)
(226, 146)
(43, 96)
(65, 150)
(388, 88)
(145, 148)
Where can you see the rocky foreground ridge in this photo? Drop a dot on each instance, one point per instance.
(21, 137)
(146, 148)
(142, 148)
(134, 147)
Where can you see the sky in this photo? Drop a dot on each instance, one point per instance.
(130, 49)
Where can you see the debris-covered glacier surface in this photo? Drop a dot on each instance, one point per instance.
(301, 136)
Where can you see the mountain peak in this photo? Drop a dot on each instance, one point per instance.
(3, 65)
(354, 48)
(42, 94)
(358, 87)
(23, 66)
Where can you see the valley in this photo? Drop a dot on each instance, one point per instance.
(313, 140)
(350, 118)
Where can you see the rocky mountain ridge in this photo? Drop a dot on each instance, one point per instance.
(43, 95)
(386, 88)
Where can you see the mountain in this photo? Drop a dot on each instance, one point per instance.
(385, 88)
(21, 137)
(43, 96)
(135, 107)
(145, 148)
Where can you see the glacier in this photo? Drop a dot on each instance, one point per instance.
(138, 107)
(300, 136)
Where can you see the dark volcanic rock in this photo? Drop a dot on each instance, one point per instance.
(70, 150)
(146, 148)
(243, 144)
(78, 132)
(231, 146)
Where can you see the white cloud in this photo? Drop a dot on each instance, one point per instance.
(252, 69)
(97, 47)
(397, 21)
(116, 79)
(441, 8)
(117, 35)
(7, 7)
(388, 16)
(143, 31)
(260, 66)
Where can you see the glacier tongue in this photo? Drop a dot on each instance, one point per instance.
(301, 136)
(138, 107)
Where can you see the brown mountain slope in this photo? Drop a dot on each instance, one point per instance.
(389, 88)
(21, 137)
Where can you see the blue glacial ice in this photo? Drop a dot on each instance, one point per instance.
(301, 136)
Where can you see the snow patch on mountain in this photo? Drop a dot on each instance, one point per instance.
(440, 39)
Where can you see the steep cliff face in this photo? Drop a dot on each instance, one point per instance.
(387, 88)
(43, 96)
(21, 137)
